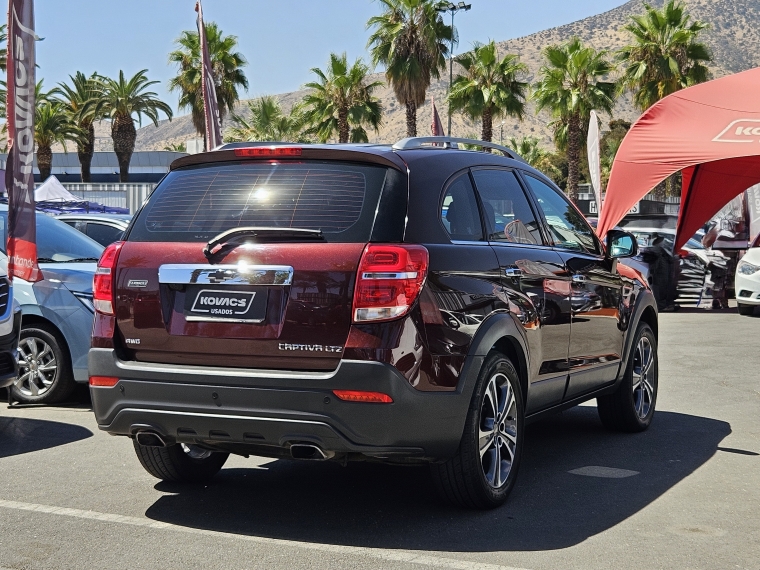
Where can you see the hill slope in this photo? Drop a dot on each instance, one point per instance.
(734, 39)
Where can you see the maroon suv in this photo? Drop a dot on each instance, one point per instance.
(406, 304)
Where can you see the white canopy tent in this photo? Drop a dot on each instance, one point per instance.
(53, 191)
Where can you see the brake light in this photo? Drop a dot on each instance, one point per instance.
(389, 280)
(105, 381)
(361, 396)
(103, 284)
(266, 151)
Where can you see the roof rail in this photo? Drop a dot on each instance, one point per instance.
(451, 142)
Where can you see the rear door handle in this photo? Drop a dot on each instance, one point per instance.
(513, 272)
(579, 278)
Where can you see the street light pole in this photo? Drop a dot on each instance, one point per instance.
(453, 8)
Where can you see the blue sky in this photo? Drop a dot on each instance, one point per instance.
(281, 39)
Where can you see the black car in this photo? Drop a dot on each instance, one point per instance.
(414, 303)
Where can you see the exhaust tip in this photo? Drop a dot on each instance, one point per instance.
(149, 439)
(309, 452)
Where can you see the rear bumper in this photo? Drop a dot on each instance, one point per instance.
(238, 408)
(9, 349)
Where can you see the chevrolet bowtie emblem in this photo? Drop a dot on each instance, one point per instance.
(220, 276)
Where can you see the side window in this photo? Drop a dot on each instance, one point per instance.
(508, 215)
(459, 211)
(103, 234)
(568, 228)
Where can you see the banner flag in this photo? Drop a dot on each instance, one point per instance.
(436, 127)
(210, 106)
(19, 174)
(594, 162)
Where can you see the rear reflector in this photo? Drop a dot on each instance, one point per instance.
(360, 396)
(265, 151)
(102, 284)
(389, 280)
(106, 381)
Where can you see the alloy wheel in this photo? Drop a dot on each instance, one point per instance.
(643, 376)
(497, 430)
(37, 367)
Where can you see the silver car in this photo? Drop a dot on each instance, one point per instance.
(56, 313)
(103, 228)
(10, 327)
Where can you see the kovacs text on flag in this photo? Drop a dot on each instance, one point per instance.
(210, 106)
(19, 174)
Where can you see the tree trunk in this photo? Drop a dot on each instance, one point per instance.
(487, 133)
(85, 152)
(343, 130)
(411, 119)
(44, 161)
(124, 135)
(573, 156)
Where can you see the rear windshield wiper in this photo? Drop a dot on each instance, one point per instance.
(75, 260)
(235, 236)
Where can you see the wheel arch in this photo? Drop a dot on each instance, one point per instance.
(501, 333)
(35, 319)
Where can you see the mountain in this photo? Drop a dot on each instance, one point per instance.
(734, 38)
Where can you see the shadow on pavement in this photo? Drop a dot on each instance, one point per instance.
(23, 435)
(382, 506)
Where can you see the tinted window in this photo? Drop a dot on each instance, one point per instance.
(567, 226)
(102, 233)
(506, 210)
(57, 241)
(196, 204)
(459, 211)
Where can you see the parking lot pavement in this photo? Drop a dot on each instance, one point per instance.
(685, 494)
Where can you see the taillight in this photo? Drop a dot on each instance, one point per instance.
(389, 280)
(102, 284)
(264, 151)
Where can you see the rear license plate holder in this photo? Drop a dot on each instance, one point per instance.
(214, 303)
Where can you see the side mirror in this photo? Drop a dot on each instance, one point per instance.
(621, 244)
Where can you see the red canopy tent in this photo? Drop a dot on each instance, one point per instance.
(710, 131)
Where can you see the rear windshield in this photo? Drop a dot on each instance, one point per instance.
(195, 204)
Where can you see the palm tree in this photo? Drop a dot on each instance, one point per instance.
(122, 99)
(341, 101)
(268, 122)
(52, 124)
(4, 49)
(227, 66)
(83, 99)
(571, 85)
(489, 87)
(409, 39)
(664, 56)
(176, 147)
(534, 154)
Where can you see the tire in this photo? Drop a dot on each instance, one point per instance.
(470, 479)
(631, 407)
(746, 310)
(180, 463)
(45, 375)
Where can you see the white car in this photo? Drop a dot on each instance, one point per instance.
(748, 279)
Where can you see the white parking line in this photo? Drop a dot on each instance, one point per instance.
(377, 553)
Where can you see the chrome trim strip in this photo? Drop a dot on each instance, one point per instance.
(378, 275)
(240, 274)
(220, 320)
(218, 416)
